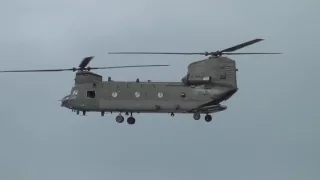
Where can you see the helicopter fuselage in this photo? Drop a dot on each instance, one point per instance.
(147, 97)
(208, 82)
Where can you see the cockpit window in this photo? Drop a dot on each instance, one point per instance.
(91, 94)
(74, 92)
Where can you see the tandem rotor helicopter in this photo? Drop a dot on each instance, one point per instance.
(207, 83)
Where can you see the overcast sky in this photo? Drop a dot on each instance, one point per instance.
(271, 127)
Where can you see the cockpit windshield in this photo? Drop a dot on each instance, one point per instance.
(65, 98)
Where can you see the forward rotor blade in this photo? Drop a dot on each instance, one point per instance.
(242, 45)
(75, 69)
(38, 70)
(85, 61)
(175, 53)
(132, 66)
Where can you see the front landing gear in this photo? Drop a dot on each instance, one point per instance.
(208, 118)
(119, 118)
(131, 120)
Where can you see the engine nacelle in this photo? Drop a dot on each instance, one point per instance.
(196, 80)
(87, 77)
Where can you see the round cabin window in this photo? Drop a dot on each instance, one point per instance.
(114, 94)
(160, 95)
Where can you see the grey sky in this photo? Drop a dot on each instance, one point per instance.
(271, 127)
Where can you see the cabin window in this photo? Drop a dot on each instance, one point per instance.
(114, 94)
(91, 94)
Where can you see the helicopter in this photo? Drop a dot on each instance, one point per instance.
(206, 85)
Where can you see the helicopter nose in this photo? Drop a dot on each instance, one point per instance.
(64, 101)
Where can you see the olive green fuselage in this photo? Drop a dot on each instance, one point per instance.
(142, 97)
(208, 82)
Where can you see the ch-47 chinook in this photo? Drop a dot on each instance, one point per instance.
(207, 83)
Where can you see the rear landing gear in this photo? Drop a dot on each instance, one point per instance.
(196, 116)
(208, 118)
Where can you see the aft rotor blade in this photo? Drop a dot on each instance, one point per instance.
(38, 70)
(242, 45)
(216, 53)
(175, 53)
(247, 53)
(131, 66)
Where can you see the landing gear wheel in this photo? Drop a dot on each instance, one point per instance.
(196, 116)
(208, 118)
(119, 119)
(131, 120)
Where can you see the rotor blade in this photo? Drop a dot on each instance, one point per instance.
(239, 46)
(75, 69)
(85, 61)
(38, 70)
(247, 53)
(176, 53)
(115, 67)
(231, 49)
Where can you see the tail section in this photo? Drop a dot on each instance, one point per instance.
(224, 71)
(215, 71)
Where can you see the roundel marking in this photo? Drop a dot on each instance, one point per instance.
(137, 94)
(160, 95)
(114, 94)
